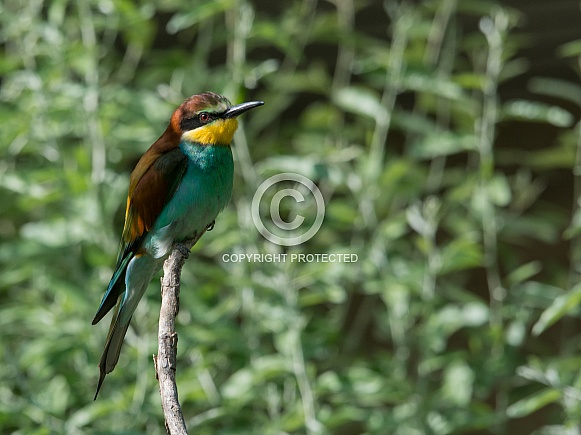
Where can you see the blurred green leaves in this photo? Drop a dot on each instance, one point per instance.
(464, 293)
(561, 306)
(529, 111)
(361, 102)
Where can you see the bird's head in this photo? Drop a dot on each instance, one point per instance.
(209, 118)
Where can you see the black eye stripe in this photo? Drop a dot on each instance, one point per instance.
(192, 123)
(187, 124)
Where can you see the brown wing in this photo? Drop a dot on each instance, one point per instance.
(151, 192)
(154, 187)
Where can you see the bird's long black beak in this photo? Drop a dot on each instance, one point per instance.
(239, 109)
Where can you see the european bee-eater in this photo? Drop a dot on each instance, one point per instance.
(176, 191)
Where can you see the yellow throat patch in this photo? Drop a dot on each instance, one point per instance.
(219, 132)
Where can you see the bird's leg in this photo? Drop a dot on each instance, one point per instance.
(211, 226)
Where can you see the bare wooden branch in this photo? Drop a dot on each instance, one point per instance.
(165, 361)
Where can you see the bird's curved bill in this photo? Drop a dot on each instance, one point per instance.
(239, 109)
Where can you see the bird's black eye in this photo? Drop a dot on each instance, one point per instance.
(204, 117)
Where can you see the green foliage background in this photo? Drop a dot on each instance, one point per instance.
(461, 314)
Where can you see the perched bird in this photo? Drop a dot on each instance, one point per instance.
(176, 191)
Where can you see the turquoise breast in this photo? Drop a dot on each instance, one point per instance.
(204, 191)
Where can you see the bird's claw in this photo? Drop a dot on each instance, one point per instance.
(182, 247)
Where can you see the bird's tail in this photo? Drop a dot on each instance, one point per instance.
(113, 345)
(139, 272)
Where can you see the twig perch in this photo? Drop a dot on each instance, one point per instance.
(165, 361)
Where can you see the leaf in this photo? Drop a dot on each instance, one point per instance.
(571, 49)
(514, 68)
(560, 307)
(524, 110)
(574, 229)
(535, 294)
(544, 225)
(55, 233)
(424, 83)
(516, 333)
(460, 254)
(458, 383)
(453, 317)
(556, 88)
(523, 273)
(197, 14)
(560, 156)
(415, 219)
(499, 190)
(442, 144)
(241, 384)
(361, 101)
(412, 122)
(470, 80)
(309, 167)
(532, 403)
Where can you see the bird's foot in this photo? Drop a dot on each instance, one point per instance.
(183, 249)
(211, 226)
